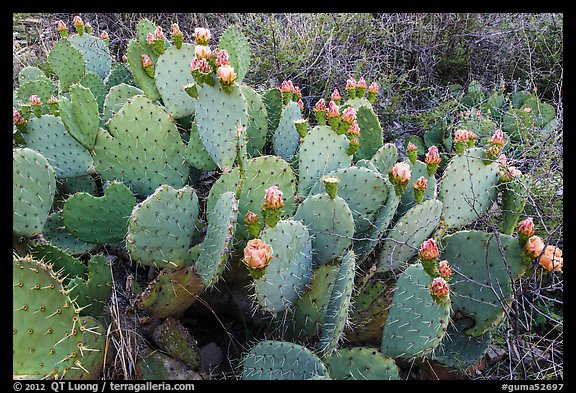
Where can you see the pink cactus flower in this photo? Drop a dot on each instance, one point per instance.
(35, 100)
(421, 184)
(226, 74)
(433, 156)
(222, 58)
(300, 104)
(202, 52)
(287, 86)
(150, 38)
(373, 88)
(333, 110)
(497, 138)
(351, 83)
(354, 129)
(158, 34)
(349, 115)
(320, 105)
(461, 136)
(502, 162)
(411, 147)
(429, 250)
(439, 289)
(526, 227)
(361, 83)
(200, 65)
(336, 95)
(61, 26)
(444, 269)
(78, 21)
(257, 254)
(401, 173)
(146, 61)
(202, 35)
(534, 246)
(273, 198)
(552, 259)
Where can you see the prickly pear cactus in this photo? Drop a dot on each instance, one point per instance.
(407, 200)
(93, 289)
(280, 360)
(196, 153)
(33, 189)
(42, 87)
(360, 364)
(96, 53)
(238, 48)
(403, 240)
(153, 365)
(67, 63)
(57, 257)
(99, 219)
(370, 133)
(99, 90)
(175, 340)
(161, 227)
(286, 139)
(117, 96)
(134, 54)
(30, 73)
(289, 271)
(80, 115)
(273, 101)
(56, 234)
(416, 323)
(257, 127)
(385, 157)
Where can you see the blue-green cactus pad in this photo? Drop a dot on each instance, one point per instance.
(117, 96)
(361, 364)
(67, 63)
(407, 201)
(96, 53)
(238, 48)
(80, 115)
(257, 128)
(285, 140)
(55, 232)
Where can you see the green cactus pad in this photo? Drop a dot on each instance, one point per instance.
(361, 364)
(467, 188)
(116, 98)
(99, 219)
(33, 190)
(514, 196)
(85, 183)
(30, 73)
(371, 138)
(543, 112)
(142, 148)
(273, 101)
(370, 310)
(218, 116)
(307, 316)
(171, 75)
(175, 340)
(67, 63)
(46, 329)
(357, 103)
(143, 27)
(147, 84)
(93, 292)
(416, 324)
(260, 174)
(481, 280)
(330, 222)
(93, 82)
(385, 157)
(43, 88)
(459, 350)
(48, 136)
(55, 232)
(365, 191)
(62, 261)
(120, 73)
(407, 200)
(96, 53)
(196, 153)
(404, 239)
(383, 218)
(153, 365)
(80, 115)
(161, 227)
(238, 48)
(217, 245)
(336, 316)
(257, 128)
(171, 292)
(289, 271)
(280, 360)
(366, 164)
(286, 139)
(321, 152)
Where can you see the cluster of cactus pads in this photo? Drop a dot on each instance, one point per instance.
(356, 255)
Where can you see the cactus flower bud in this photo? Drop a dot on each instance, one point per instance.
(336, 97)
(104, 36)
(287, 89)
(77, 22)
(420, 187)
(53, 105)
(372, 92)
(502, 162)
(257, 254)
(472, 138)
(353, 146)
(158, 34)
(552, 259)
(62, 29)
(333, 115)
(148, 65)
(320, 105)
(150, 39)
(320, 111)
(460, 141)
(177, 35)
(429, 250)
(399, 176)
(508, 173)
(525, 231)
(534, 247)
(252, 222)
(202, 52)
(412, 151)
(222, 58)
(251, 217)
(331, 185)
(17, 118)
(88, 28)
(273, 198)
(297, 92)
(35, 100)
(497, 139)
(201, 35)
(349, 115)
(226, 75)
(300, 104)
(444, 270)
(354, 129)
(432, 160)
(361, 87)
(439, 290)
(351, 87)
